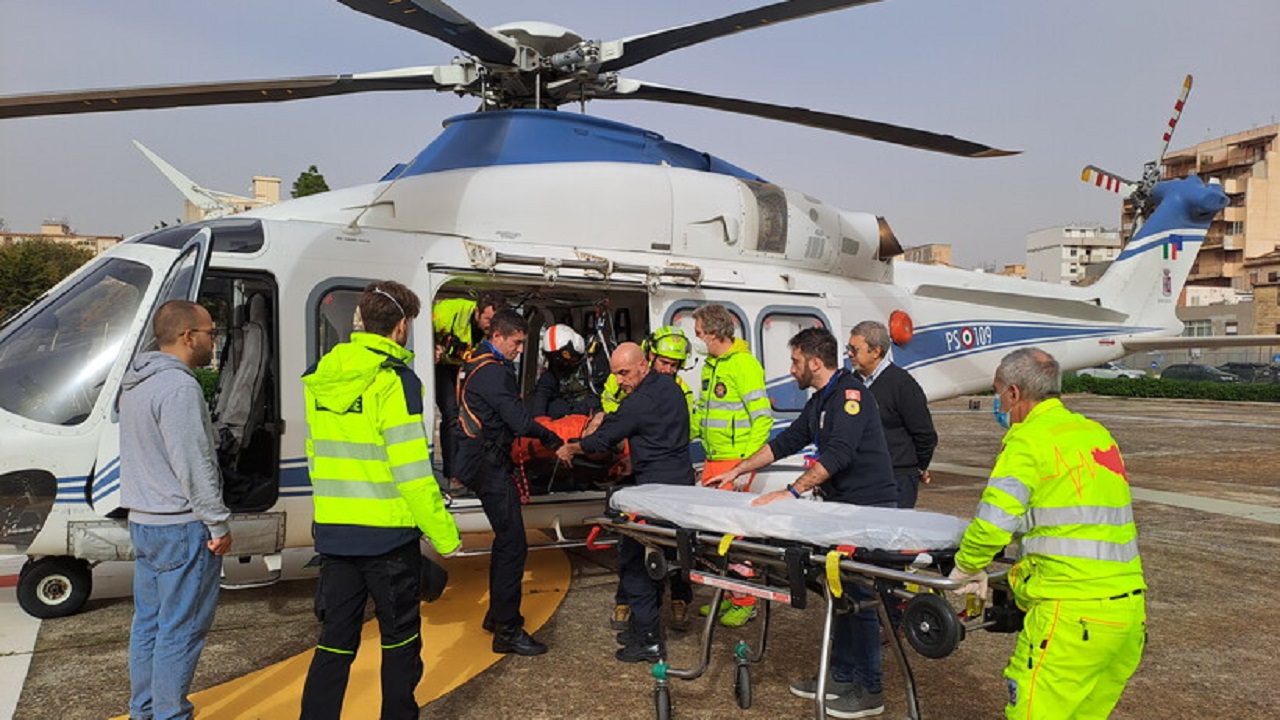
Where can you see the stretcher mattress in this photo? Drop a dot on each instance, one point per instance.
(817, 523)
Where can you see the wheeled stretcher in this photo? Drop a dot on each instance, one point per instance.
(798, 547)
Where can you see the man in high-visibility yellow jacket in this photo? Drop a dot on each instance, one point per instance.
(733, 418)
(1059, 482)
(375, 496)
(459, 324)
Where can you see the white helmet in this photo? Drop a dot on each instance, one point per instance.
(563, 341)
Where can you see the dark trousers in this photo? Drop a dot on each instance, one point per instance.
(497, 494)
(446, 379)
(681, 588)
(855, 644)
(641, 592)
(908, 486)
(346, 584)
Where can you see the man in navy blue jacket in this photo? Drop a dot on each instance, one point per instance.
(852, 466)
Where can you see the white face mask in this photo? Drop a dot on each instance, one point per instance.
(698, 346)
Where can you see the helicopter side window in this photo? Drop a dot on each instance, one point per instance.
(776, 330)
(56, 356)
(335, 318)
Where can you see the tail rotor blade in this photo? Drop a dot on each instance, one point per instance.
(1173, 119)
(1107, 181)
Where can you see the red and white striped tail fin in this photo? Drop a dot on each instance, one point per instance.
(1173, 119)
(1107, 181)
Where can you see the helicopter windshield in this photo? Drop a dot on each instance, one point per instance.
(55, 357)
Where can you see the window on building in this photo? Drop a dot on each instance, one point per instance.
(1197, 328)
(1235, 228)
(1072, 252)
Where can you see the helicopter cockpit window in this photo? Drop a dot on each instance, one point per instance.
(55, 358)
(231, 235)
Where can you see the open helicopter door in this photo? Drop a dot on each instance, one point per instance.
(181, 282)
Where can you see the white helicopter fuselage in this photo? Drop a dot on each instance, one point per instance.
(651, 236)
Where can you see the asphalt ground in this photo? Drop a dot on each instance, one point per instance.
(1209, 548)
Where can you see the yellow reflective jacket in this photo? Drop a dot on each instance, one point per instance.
(613, 394)
(367, 450)
(732, 412)
(451, 322)
(1061, 484)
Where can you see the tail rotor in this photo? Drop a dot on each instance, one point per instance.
(1139, 193)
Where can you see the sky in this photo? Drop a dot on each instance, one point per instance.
(1067, 83)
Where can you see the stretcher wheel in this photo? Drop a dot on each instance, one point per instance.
(655, 563)
(931, 626)
(742, 686)
(662, 702)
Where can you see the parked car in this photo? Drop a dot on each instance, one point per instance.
(1250, 372)
(1195, 371)
(1111, 371)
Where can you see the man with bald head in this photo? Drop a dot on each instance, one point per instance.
(654, 418)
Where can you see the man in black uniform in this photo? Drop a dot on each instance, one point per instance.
(492, 415)
(852, 466)
(654, 417)
(904, 410)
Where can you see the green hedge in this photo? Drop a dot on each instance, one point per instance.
(1157, 388)
(208, 382)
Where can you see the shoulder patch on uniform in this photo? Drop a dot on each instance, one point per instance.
(853, 407)
(852, 394)
(1013, 691)
(721, 390)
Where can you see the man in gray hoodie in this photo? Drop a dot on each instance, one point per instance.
(172, 487)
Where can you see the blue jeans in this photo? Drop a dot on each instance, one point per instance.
(175, 591)
(855, 644)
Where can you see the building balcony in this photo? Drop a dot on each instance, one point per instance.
(1233, 213)
(1233, 242)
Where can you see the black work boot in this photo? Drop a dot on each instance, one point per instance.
(641, 648)
(516, 640)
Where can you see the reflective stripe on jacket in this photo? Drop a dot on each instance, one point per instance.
(732, 414)
(367, 449)
(1060, 483)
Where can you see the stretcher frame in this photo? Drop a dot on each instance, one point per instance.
(799, 561)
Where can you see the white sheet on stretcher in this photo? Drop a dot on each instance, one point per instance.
(817, 523)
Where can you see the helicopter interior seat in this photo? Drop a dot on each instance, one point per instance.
(245, 442)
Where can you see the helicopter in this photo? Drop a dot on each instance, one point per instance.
(612, 229)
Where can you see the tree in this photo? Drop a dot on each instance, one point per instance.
(29, 268)
(309, 183)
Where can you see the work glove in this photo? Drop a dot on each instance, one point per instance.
(975, 583)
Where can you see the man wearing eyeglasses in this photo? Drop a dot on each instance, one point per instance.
(904, 409)
(172, 487)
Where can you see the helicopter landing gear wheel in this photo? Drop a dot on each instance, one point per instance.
(54, 587)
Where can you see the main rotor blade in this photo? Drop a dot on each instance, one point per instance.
(217, 93)
(434, 18)
(884, 132)
(637, 49)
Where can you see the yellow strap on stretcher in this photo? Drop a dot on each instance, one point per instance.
(725, 542)
(833, 573)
